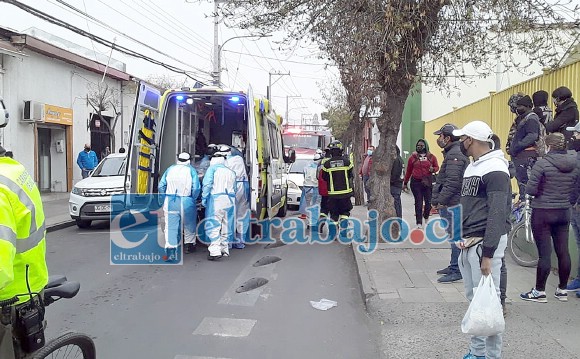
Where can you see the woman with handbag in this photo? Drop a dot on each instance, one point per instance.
(421, 167)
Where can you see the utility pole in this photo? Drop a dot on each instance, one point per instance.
(216, 47)
(287, 97)
(270, 74)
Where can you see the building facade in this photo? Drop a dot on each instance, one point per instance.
(46, 89)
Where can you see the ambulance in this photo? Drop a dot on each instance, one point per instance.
(188, 120)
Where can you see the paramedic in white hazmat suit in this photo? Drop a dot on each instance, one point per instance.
(218, 198)
(235, 162)
(180, 186)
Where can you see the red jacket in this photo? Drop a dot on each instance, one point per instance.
(322, 186)
(418, 166)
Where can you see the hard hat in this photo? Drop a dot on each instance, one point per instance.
(336, 144)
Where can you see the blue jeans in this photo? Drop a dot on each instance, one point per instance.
(396, 193)
(445, 214)
(85, 173)
(575, 222)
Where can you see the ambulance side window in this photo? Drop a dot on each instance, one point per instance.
(274, 141)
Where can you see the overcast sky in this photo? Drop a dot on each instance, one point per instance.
(185, 31)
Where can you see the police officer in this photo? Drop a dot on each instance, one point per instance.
(22, 241)
(337, 171)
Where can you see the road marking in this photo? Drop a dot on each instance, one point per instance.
(249, 299)
(225, 327)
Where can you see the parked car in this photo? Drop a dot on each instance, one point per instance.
(90, 198)
(296, 180)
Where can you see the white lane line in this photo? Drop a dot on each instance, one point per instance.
(225, 327)
(249, 299)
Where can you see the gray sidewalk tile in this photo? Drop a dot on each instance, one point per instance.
(420, 295)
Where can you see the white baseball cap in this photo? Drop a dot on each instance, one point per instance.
(478, 130)
(183, 157)
(574, 128)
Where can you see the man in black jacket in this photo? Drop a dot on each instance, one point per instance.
(523, 146)
(447, 192)
(397, 182)
(566, 113)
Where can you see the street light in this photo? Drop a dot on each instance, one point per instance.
(217, 69)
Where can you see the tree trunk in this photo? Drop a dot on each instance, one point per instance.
(357, 149)
(380, 181)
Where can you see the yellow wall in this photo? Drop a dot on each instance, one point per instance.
(494, 109)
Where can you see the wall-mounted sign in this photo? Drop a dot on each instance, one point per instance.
(60, 115)
(97, 123)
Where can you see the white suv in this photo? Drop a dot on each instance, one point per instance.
(90, 198)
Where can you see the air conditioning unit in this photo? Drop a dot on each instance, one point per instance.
(33, 112)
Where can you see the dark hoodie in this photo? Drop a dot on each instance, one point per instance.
(552, 180)
(566, 116)
(541, 107)
(421, 165)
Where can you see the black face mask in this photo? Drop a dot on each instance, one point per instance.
(421, 149)
(521, 111)
(463, 149)
(87, 149)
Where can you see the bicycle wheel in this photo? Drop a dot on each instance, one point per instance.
(67, 346)
(521, 245)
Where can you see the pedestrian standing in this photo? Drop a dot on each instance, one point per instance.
(87, 160)
(180, 188)
(523, 149)
(397, 182)
(551, 183)
(337, 172)
(447, 193)
(218, 198)
(485, 202)
(365, 171)
(421, 167)
(566, 112)
(541, 107)
(310, 188)
(323, 191)
(236, 163)
(575, 214)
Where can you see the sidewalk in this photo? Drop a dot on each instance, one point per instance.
(56, 212)
(420, 318)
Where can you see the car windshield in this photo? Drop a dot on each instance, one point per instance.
(298, 166)
(110, 166)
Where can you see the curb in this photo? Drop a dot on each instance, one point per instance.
(366, 284)
(60, 225)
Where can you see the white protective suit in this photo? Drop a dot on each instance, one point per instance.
(180, 185)
(218, 198)
(236, 164)
(310, 190)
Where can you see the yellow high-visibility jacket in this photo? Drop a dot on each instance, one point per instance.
(22, 232)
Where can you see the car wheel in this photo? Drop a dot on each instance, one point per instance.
(83, 223)
(283, 210)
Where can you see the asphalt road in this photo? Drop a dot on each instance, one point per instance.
(192, 311)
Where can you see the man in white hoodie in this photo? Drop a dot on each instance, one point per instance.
(310, 188)
(485, 202)
(180, 187)
(219, 200)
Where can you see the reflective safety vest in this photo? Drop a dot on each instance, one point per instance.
(337, 172)
(22, 232)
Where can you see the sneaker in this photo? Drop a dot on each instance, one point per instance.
(534, 296)
(471, 356)
(574, 285)
(561, 294)
(450, 278)
(189, 248)
(444, 271)
(213, 258)
(419, 226)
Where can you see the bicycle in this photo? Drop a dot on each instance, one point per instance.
(521, 245)
(66, 345)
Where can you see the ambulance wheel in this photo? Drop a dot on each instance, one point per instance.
(83, 223)
(282, 211)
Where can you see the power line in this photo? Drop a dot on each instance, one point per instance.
(271, 58)
(119, 48)
(105, 25)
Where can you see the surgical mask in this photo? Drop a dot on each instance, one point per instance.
(463, 149)
(370, 152)
(521, 111)
(441, 143)
(87, 149)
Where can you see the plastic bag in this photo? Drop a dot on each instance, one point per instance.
(324, 304)
(484, 317)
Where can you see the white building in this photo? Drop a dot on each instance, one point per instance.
(44, 81)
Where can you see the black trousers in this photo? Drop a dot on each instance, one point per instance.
(422, 194)
(324, 211)
(551, 224)
(339, 207)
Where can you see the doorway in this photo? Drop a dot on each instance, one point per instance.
(44, 179)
